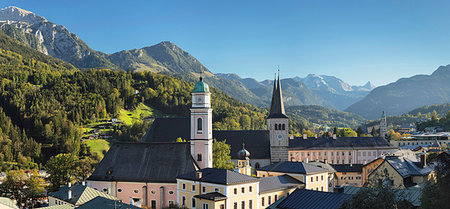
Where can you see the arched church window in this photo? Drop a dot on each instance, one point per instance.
(276, 126)
(199, 157)
(199, 124)
(283, 127)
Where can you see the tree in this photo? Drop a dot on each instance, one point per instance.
(62, 168)
(18, 186)
(379, 197)
(436, 194)
(221, 155)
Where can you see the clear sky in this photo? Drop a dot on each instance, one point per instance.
(357, 41)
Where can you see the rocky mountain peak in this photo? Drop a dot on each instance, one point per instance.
(16, 14)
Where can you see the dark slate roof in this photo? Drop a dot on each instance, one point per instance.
(407, 168)
(145, 162)
(80, 194)
(219, 176)
(104, 203)
(169, 129)
(214, 196)
(277, 106)
(257, 142)
(293, 167)
(411, 194)
(348, 167)
(339, 143)
(310, 199)
(273, 183)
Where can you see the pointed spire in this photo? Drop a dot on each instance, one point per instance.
(277, 106)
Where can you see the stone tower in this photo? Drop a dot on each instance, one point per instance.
(201, 125)
(383, 126)
(278, 125)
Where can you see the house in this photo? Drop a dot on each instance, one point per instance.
(407, 128)
(369, 168)
(400, 172)
(75, 195)
(105, 203)
(6, 203)
(219, 188)
(331, 173)
(348, 174)
(313, 177)
(143, 174)
(309, 199)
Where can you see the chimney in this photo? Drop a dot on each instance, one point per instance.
(69, 185)
(423, 160)
(291, 136)
(334, 136)
(307, 160)
(305, 136)
(69, 194)
(198, 175)
(83, 183)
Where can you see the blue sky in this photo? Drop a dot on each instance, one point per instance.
(357, 41)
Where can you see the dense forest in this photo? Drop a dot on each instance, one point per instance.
(46, 102)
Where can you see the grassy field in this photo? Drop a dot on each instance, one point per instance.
(98, 146)
(141, 111)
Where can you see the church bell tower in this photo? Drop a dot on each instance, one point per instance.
(201, 125)
(278, 125)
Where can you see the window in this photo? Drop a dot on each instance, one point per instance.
(332, 153)
(235, 205)
(136, 191)
(216, 189)
(349, 153)
(222, 206)
(319, 153)
(171, 203)
(199, 157)
(250, 204)
(104, 189)
(262, 201)
(283, 127)
(343, 153)
(307, 154)
(203, 189)
(235, 190)
(199, 125)
(153, 192)
(119, 190)
(269, 199)
(184, 186)
(193, 188)
(243, 190)
(170, 192)
(205, 205)
(325, 153)
(276, 198)
(243, 205)
(321, 188)
(312, 179)
(183, 201)
(321, 177)
(193, 202)
(250, 189)
(317, 178)
(153, 204)
(276, 126)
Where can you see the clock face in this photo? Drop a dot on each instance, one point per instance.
(279, 136)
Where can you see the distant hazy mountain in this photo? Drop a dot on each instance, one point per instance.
(294, 92)
(51, 39)
(335, 92)
(406, 94)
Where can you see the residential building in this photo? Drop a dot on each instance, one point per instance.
(400, 173)
(219, 188)
(75, 195)
(407, 128)
(303, 198)
(331, 173)
(368, 168)
(348, 174)
(105, 203)
(314, 178)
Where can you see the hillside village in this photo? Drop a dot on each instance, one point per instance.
(153, 128)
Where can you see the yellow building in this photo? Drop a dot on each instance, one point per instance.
(212, 188)
(348, 174)
(400, 173)
(314, 178)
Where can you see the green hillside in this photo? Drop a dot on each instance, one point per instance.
(314, 114)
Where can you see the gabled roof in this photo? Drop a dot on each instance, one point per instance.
(310, 199)
(214, 196)
(323, 165)
(348, 167)
(407, 168)
(169, 129)
(339, 143)
(145, 162)
(218, 176)
(293, 168)
(80, 194)
(65, 206)
(274, 183)
(105, 203)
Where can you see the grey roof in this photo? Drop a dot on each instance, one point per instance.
(277, 106)
(80, 194)
(8, 202)
(348, 167)
(339, 143)
(214, 196)
(323, 165)
(104, 203)
(310, 199)
(219, 176)
(169, 129)
(145, 162)
(407, 168)
(65, 206)
(273, 183)
(411, 194)
(293, 167)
